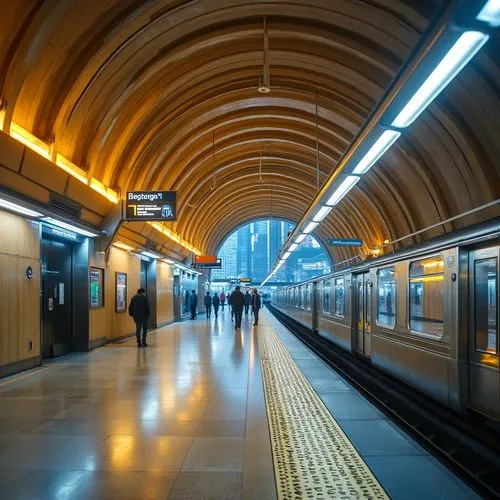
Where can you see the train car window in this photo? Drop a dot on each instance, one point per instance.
(326, 296)
(339, 297)
(485, 305)
(386, 297)
(426, 296)
(308, 298)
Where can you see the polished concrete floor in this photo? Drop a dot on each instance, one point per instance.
(182, 418)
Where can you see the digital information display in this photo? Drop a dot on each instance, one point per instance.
(151, 205)
(338, 242)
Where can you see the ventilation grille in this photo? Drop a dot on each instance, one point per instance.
(64, 205)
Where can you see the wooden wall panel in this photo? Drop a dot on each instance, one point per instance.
(165, 294)
(105, 322)
(19, 297)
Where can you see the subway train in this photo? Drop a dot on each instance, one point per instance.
(428, 315)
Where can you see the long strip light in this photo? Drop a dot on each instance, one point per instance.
(71, 168)
(107, 192)
(300, 238)
(150, 254)
(18, 208)
(123, 246)
(382, 144)
(286, 255)
(310, 227)
(321, 214)
(70, 227)
(344, 187)
(490, 13)
(28, 139)
(464, 49)
(293, 247)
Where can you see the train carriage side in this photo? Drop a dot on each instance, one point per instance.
(414, 323)
(334, 309)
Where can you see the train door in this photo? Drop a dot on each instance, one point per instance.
(362, 302)
(315, 305)
(484, 374)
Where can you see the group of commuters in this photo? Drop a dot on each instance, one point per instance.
(139, 310)
(237, 301)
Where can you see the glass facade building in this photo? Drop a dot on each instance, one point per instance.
(251, 250)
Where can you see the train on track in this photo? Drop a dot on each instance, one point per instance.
(428, 315)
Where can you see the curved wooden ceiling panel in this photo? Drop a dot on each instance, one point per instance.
(135, 91)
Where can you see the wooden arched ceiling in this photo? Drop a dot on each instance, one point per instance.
(134, 91)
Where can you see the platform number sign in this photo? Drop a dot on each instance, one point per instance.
(151, 205)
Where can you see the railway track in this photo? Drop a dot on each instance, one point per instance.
(472, 453)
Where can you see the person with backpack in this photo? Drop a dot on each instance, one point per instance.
(237, 304)
(139, 310)
(222, 299)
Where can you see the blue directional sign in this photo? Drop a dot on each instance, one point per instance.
(338, 242)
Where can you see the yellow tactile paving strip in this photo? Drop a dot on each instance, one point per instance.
(313, 458)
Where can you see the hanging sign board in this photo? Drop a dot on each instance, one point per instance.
(207, 265)
(205, 259)
(245, 280)
(151, 205)
(337, 242)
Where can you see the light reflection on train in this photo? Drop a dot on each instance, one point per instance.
(428, 315)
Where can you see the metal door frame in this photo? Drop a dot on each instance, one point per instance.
(362, 334)
(483, 367)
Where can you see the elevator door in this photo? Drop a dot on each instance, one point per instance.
(57, 333)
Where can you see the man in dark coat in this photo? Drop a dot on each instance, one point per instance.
(139, 310)
(207, 300)
(256, 305)
(248, 301)
(193, 303)
(216, 301)
(237, 304)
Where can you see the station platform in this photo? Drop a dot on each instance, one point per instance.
(205, 412)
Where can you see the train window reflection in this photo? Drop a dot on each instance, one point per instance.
(339, 297)
(326, 296)
(485, 305)
(426, 296)
(386, 297)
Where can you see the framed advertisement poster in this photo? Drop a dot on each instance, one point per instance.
(96, 287)
(121, 292)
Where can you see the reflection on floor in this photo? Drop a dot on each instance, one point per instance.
(182, 418)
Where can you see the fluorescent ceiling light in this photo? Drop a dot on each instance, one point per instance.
(286, 255)
(69, 227)
(28, 139)
(293, 247)
(71, 168)
(490, 13)
(300, 238)
(18, 208)
(464, 49)
(342, 190)
(310, 227)
(149, 254)
(383, 143)
(321, 214)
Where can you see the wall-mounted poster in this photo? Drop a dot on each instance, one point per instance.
(96, 287)
(121, 292)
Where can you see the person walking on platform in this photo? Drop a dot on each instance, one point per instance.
(237, 304)
(216, 301)
(222, 299)
(193, 303)
(229, 304)
(248, 301)
(139, 310)
(208, 304)
(256, 305)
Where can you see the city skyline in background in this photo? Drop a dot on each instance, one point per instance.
(251, 250)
